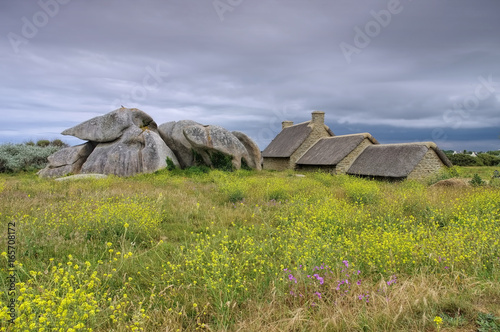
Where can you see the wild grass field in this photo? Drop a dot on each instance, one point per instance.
(248, 251)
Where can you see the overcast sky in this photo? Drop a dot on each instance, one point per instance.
(402, 70)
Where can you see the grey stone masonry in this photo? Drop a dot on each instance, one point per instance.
(429, 165)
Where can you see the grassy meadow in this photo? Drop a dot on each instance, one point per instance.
(249, 251)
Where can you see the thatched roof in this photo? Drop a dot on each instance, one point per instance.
(331, 150)
(393, 160)
(288, 140)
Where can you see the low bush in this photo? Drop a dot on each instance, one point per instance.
(222, 161)
(462, 159)
(476, 181)
(170, 164)
(22, 157)
(43, 143)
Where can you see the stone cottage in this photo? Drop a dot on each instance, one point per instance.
(312, 146)
(335, 154)
(399, 161)
(293, 141)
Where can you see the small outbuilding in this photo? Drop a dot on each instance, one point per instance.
(293, 141)
(399, 161)
(335, 154)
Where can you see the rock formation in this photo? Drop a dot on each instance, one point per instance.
(124, 142)
(67, 160)
(127, 141)
(173, 134)
(188, 138)
(255, 158)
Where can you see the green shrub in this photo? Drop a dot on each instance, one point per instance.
(21, 157)
(222, 161)
(43, 143)
(476, 181)
(218, 159)
(462, 159)
(244, 165)
(58, 143)
(236, 195)
(170, 164)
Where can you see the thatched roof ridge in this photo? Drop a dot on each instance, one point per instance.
(393, 160)
(331, 150)
(365, 135)
(288, 140)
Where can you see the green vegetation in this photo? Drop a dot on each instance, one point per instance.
(170, 164)
(28, 156)
(221, 161)
(484, 172)
(490, 158)
(477, 181)
(211, 250)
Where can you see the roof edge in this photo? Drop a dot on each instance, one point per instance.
(429, 145)
(365, 135)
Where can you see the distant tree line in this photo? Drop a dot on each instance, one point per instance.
(490, 158)
(27, 156)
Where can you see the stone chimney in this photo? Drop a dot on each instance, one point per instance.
(318, 118)
(286, 124)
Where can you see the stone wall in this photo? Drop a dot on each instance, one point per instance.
(345, 163)
(429, 165)
(318, 131)
(277, 164)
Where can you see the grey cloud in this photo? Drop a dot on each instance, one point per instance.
(266, 61)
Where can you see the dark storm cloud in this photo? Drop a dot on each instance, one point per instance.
(418, 71)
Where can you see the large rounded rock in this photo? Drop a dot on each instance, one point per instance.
(207, 139)
(67, 161)
(124, 142)
(189, 138)
(110, 127)
(255, 156)
(173, 134)
(127, 141)
(136, 151)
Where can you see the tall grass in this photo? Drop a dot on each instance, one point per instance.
(250, 251)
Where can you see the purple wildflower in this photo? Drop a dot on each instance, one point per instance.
(320, 279)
